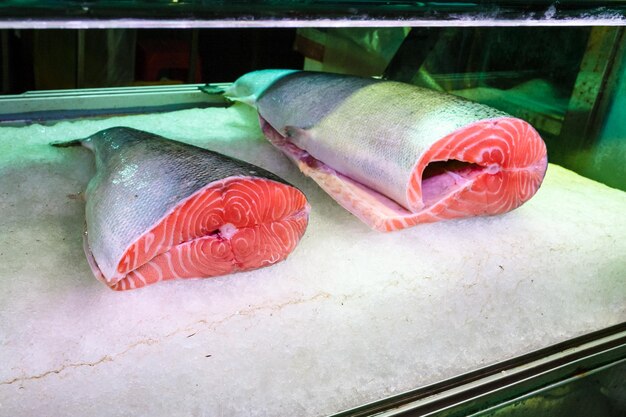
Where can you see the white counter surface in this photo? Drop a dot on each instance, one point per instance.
(351, 316)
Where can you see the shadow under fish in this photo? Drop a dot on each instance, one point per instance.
(158, 210)
(395, 154)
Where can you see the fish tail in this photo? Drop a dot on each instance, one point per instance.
(67, 143)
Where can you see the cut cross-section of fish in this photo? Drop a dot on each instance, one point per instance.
(236, 224)
(159, 210)
(394, 154)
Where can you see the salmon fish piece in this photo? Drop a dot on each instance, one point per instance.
(159, 210)
(394, 154)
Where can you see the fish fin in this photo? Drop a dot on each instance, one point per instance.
(67, 143)
(249, 100)
(234, 93)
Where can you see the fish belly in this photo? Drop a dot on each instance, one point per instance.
(396, 155)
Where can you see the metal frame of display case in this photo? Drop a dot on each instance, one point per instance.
(54, 105)
(506, 381)
(70, 14)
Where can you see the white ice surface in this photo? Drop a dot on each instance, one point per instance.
(352, 316)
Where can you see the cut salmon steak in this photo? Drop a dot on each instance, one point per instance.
(159, 210)
(393, 154)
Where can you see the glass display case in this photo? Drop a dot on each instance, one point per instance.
(521, 313)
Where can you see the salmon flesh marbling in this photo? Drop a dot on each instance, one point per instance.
(394, 154)
(158, 209)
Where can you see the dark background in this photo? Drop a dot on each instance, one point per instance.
(47, 59)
